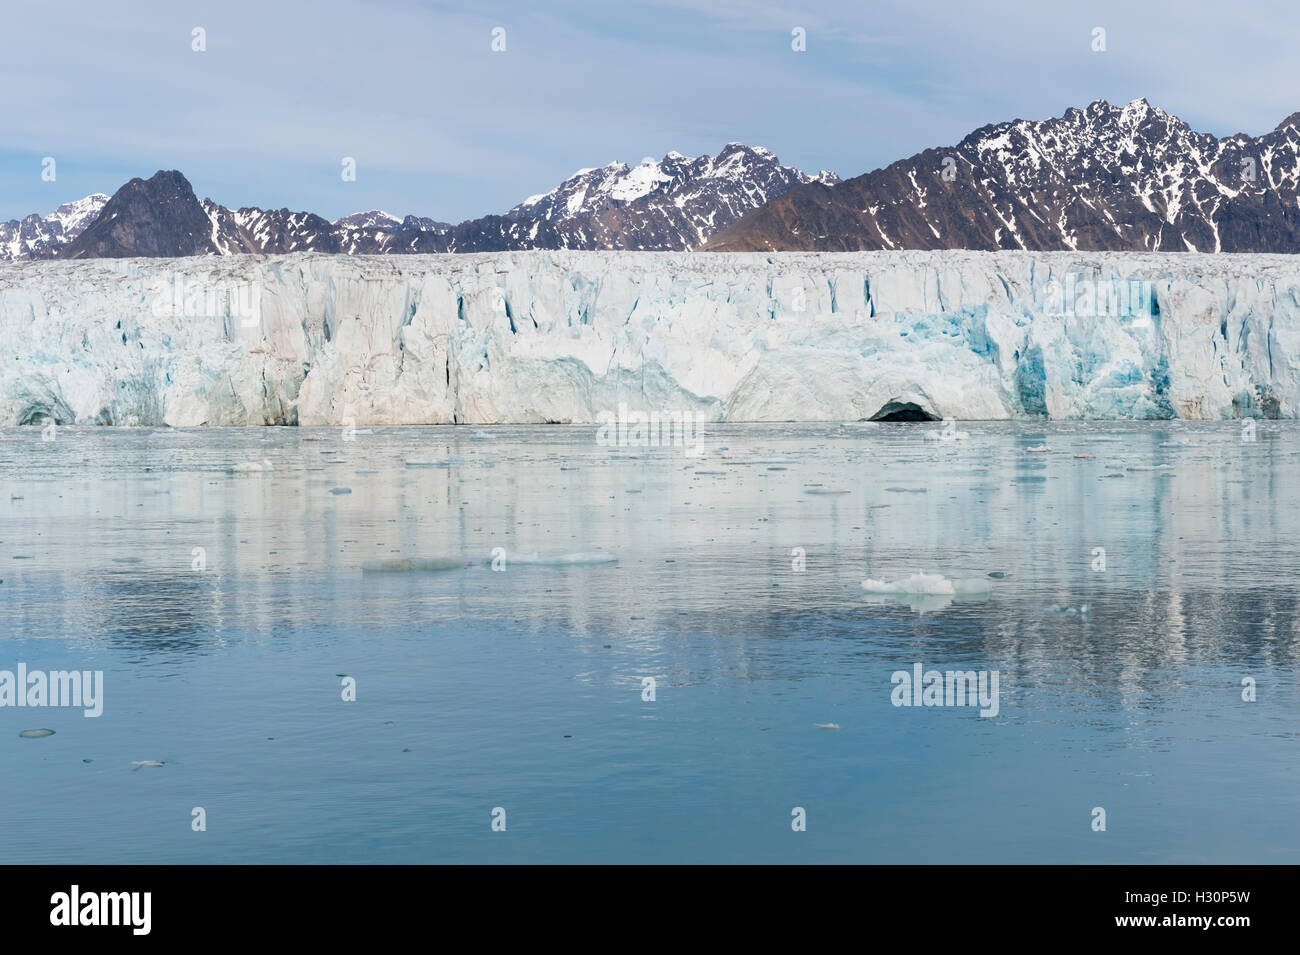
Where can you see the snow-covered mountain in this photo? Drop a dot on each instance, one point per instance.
(674, 203)
(1105, 177)
(274, 231)
(39, 237)
(161, 216)
(671, 204)
(568, 336)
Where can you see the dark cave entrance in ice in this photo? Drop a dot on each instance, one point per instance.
(903, 411)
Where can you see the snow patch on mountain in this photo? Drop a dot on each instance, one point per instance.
(41, 236)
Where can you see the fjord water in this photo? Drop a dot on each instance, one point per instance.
(522, 688)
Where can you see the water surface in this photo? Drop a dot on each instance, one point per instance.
(522, 688)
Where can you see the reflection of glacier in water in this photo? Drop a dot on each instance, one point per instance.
(225, 606)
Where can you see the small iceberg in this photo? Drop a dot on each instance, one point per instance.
(431, 462)
(946, 433)
(253, 467)
(147, 763)
(825, 491)
(1081, 611)
(559, 560)
(407, 565)
(827, 726)
(929, 584)
(922, 591)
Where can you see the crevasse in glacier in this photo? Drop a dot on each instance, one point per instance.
(571, 336)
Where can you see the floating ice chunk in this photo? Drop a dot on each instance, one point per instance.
(1081, 610)
(147, 763)
(948, 432)
(407, 565)
(253, 467)
(826, 491)
(559, 560)
(923, 591)
(1036, 449)
(917, 583)
(431, 462)
(827, 726)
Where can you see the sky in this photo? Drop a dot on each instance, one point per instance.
(441, 125)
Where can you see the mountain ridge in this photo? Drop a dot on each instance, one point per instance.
(1100, 178)
(672, 204)
(1097, 178)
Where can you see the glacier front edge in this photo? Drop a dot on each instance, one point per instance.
(572, 337)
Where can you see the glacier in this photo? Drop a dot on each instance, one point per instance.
(581, 337)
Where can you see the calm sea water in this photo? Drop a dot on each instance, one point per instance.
(523, 688)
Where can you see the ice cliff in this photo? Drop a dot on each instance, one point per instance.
(570, 336)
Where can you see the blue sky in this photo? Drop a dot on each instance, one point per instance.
(440, 125)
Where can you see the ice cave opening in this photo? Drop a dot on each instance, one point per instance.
(903, 411)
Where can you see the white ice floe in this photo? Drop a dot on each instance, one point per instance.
(924, 591)
(253, 467)
(1081, 610)
(559, 560)
(948, 432)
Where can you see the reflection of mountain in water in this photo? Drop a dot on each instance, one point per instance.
(1199, 528)
(153, 611)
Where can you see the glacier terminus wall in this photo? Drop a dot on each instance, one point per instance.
(520, 337)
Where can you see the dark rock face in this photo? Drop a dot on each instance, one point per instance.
(1102, 178)
(158, 216)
